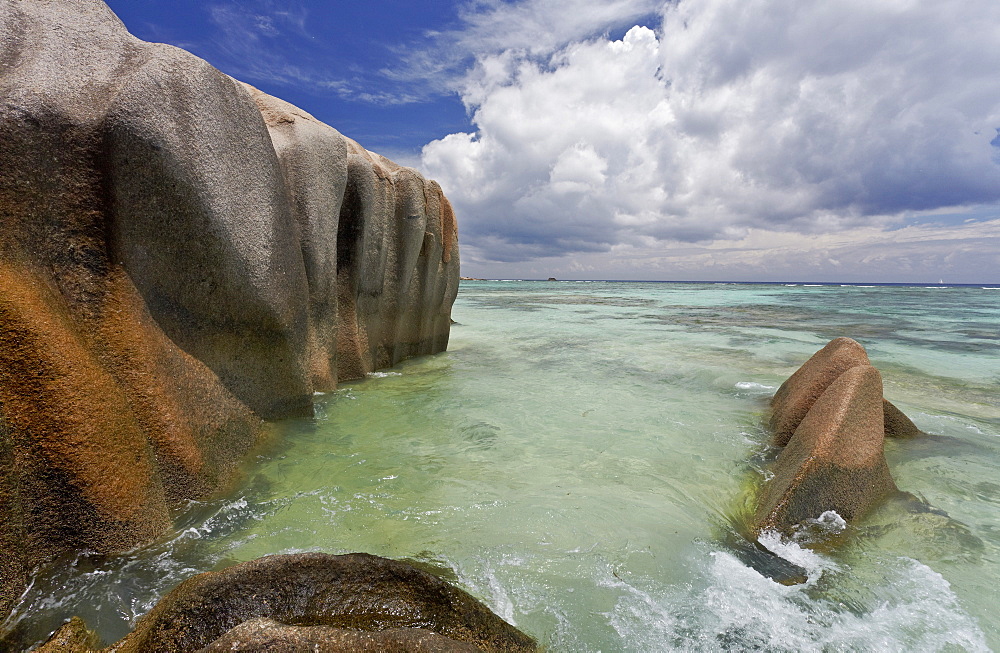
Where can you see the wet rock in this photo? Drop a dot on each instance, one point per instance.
(180, 257)
(835, 458)
(72, 637)
(765, 562)
(801, 390)
(269, 635)
(354, 602)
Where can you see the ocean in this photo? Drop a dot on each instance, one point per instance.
(582, 460)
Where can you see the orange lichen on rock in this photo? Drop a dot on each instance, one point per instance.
(181, 255)
(59, 401)
(191, 421)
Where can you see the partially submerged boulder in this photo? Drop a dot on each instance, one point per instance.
(834, 460)
(354, 602)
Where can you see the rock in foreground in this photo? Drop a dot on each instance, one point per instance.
(312, 601)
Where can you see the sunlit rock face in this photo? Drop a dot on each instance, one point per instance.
(312, 601)
(379, 246)
(180, 256)
(831, 419)
(797, 395)
(834, 460)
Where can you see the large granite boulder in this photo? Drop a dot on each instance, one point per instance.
(834, 460)
(312, 601)
(379, 244)
(180, 256)
(831, 418)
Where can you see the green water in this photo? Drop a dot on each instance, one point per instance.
(576, 460)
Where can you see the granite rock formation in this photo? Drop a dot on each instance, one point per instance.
(181, 256)
(831, 418)
(835, 460)
(796, 396)
(311, 601)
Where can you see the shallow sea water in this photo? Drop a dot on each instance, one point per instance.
(581, 458)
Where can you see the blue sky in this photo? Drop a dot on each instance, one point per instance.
(699, 139)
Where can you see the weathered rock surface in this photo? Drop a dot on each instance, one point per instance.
(832, 420)
(268, 635)
(834, 460)
(180, 256)
(800, 391)
(312, 601)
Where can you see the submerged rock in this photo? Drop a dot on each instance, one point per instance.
(180, 256)
(312, 601)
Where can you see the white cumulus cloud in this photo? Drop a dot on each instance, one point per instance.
(720, 117)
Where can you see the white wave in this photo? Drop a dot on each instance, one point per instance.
(750, 385)
(383, 375)
(497, 583)
(225, 514)
(812, 562)
(946, 424)
(736, 608)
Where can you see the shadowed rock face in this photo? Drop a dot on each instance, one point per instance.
(180, 256)
(834, 460)
(897, 424)
(355, 602)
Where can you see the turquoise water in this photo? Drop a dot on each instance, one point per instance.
(580, 458)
